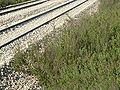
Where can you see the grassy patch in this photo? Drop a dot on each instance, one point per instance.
(86, 56)
(4, 3)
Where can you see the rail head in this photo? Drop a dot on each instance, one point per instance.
(20, 4)
(35, 16)
(44, 23)
(24, 7)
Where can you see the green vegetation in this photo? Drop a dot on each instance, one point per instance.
(4, 3)
(86, 56)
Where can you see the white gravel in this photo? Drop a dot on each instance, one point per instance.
(12, 8)
(34, 23)
(7, 52)
(11, 80)
(13, 17)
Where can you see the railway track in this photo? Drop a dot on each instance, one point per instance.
(20, 29)
(14, 8)
(16, 5)
(15, 16)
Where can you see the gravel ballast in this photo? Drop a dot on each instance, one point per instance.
(11, 80)
(25, 82)
(11, 18)
(7, 52)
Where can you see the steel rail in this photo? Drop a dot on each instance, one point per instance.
(35, 16)
(20, 4)
(9, 11)
(44, 23)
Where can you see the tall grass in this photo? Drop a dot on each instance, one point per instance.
(4, 3)
(86, 56)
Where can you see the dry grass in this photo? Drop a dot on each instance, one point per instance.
(86, 56)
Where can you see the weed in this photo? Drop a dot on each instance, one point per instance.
(86, 56)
